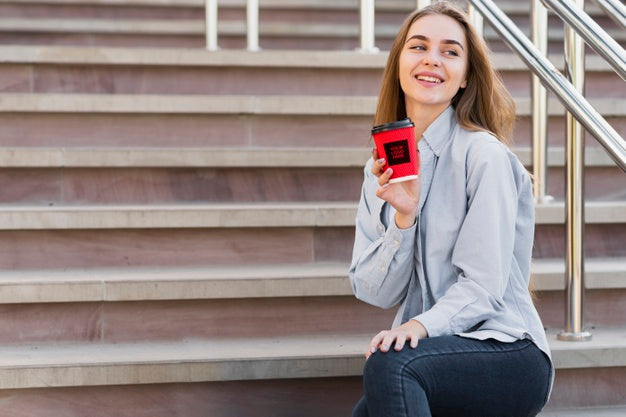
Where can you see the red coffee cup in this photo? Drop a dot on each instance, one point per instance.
(395, 142)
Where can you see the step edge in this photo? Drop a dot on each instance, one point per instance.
(291, 59)
(220, 157)
(309, 356)
(259, 281)
(305, 105)
(239, 215)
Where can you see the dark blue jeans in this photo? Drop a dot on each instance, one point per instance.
(455, 376)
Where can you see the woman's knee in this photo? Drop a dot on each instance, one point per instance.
(384, 367)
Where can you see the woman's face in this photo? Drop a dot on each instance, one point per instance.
(433, 63)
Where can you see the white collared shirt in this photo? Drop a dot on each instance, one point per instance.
(464, 267)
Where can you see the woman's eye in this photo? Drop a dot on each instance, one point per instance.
(418, 47)
(451, 52)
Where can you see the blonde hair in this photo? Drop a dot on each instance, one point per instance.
(484, 104)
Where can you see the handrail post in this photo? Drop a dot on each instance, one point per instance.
(367, 27)
(423, 3)
(476, 19)
(539, 100)
(575, 213)
(252, 18)
(210, 10)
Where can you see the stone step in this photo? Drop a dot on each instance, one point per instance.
(38, 69)
(293, 59)
(174, 247)
(229, 282)
(264, 215)
(196, 121)
(586, 412)
(273, 34)
(220, 157)
(127, 321)
(126, 175)
(260, 359)
(238, 105)
(307, 5)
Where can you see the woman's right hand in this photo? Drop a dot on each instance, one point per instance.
(403, 196)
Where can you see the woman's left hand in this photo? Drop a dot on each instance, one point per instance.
(412, 331)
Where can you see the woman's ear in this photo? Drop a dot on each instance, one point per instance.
(463, 84)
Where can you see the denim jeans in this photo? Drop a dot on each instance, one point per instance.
(455, 376)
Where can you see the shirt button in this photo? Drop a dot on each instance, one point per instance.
(396, 243)
(382, 269)
(381, 229)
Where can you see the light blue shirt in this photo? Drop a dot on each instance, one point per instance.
(464, 266)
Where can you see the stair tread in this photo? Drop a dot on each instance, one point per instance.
(223, 282)
(238, 104)
(224, 215)
(618, 411)
(226, 27)
(253, 157)
(236, 359)
(80, 55)
(389, 5)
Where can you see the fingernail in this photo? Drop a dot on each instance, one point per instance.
(389, 170)
(385, 185)
(380, 161)
(384, 348)
(373, 349)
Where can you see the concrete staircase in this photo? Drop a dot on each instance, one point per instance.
(176, 225)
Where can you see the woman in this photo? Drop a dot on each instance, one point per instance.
(453, 247)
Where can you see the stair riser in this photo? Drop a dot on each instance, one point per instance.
(160, 247)
(178, 185)
(601, 308)
(266, 398)
(167, 130)
(84, 11)
(112, 40)
(140, 321)
(22, 78)
(190, 319)
(228, 246)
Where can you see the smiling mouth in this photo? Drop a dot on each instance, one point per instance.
(429, 79)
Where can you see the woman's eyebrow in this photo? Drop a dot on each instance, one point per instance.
(445, 41)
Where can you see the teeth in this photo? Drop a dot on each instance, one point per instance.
(429, 79)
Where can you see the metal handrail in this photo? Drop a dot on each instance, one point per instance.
(252, 22)
(539, 111)
(555, 81)
(591, 32)
(210, 11)
(615, 10)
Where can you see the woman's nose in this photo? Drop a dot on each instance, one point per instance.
(432, 58)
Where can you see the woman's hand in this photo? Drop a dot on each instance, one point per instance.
(412, 331)
(403, 196)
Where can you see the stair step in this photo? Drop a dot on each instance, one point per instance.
(228, 104)
(37, 54)
(257, 281)
(174, 27)
(222, 215)
(586, 412)
(217, 157)
(389, 5)
(229, 360)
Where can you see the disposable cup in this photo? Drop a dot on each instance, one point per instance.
(395, 141)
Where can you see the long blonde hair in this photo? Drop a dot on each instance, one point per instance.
(484, 104)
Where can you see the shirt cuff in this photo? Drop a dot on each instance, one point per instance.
(435, 324)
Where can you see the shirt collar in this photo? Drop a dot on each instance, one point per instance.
(438, 133)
